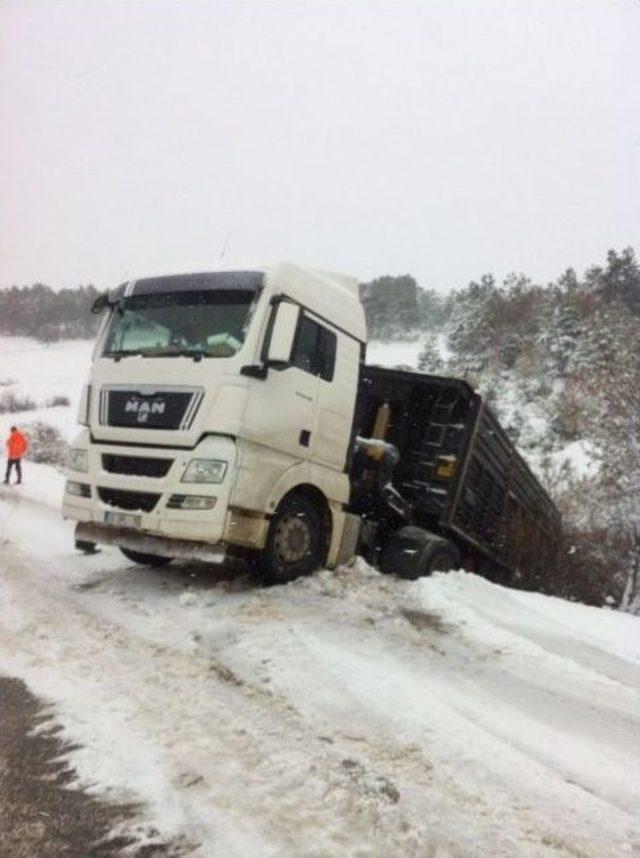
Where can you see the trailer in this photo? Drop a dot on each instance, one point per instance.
(461, 476)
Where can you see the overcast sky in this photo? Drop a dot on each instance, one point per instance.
(440, 139)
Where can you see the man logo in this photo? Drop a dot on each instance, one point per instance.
(143, 408)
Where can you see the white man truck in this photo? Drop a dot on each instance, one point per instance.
(231, 413)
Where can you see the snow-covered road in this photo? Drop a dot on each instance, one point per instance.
(347, 714)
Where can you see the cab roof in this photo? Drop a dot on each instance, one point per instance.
(331, 296)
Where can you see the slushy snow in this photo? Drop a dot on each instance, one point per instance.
(345, 714)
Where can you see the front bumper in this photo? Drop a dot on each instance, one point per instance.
(161, 522)
(148, 543)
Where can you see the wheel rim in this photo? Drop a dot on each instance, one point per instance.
(442, 562)
(292, 540)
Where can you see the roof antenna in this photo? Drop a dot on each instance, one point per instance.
(225, 245)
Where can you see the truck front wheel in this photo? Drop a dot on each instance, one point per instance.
(296, 542)
(145, 559)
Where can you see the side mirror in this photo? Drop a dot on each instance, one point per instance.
(283, 333)
(100, 303)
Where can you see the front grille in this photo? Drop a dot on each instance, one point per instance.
(122, 499)
(136, 466)
(149, 407)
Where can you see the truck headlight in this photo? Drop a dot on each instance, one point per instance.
(191, 502)
(81, 490)
(205, 471)
(78, 460)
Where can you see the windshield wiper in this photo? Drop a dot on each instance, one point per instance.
(124, 353)
(196, 354)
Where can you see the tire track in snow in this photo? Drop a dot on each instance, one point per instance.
(305, 672)
(280, 784)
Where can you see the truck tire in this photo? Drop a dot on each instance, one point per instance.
(412, 552)
(295, 543)
(444, 558)
(145, 559)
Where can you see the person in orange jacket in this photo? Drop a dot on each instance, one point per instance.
(17, 446)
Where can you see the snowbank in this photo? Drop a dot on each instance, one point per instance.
(347, 713)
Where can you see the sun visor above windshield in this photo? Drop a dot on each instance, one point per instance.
(244, 281)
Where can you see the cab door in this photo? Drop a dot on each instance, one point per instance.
(282, 408)
(337, 391)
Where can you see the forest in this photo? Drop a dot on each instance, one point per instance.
(48, 315)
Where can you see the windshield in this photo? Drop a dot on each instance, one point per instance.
(206, 323)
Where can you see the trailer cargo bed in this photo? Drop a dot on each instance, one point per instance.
(459, 470)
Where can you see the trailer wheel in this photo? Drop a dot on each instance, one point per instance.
(412, 552)
(295, 543)
(444, 558)
(145, 559)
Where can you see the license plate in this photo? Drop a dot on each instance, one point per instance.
(122, 519)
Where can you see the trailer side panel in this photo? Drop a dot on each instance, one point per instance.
(459, 469)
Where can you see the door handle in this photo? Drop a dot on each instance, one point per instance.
(305, 437)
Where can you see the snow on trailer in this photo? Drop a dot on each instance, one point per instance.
(459, 471)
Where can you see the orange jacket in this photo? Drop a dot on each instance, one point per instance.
(16, 445)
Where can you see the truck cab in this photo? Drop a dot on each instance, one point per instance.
(218, 418)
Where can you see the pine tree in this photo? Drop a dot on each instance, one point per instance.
(391, 305)
(561, 335)
(429, 359)
(620, 280)
(471, 330)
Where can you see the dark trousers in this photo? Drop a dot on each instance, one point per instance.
(11, 463)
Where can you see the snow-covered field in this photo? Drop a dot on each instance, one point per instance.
(29, 368)
(349, 714)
